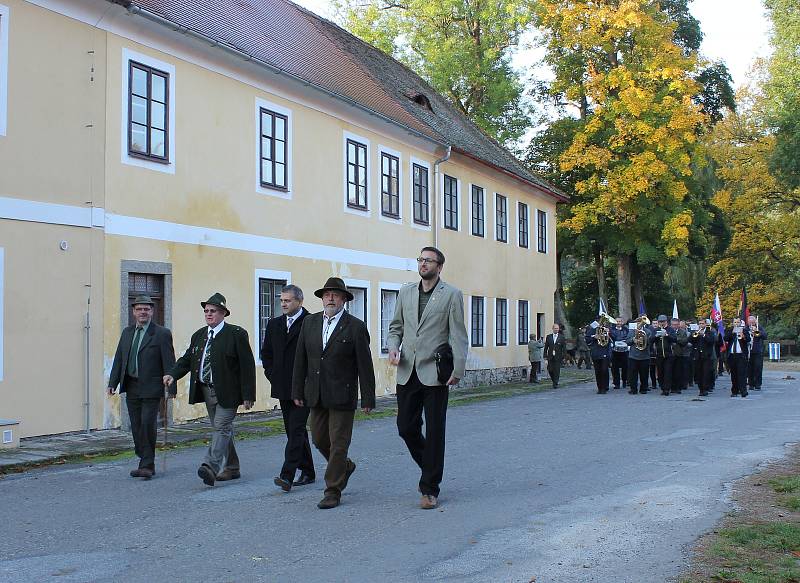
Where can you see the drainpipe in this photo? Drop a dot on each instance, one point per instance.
(435, 203)
(87, 370)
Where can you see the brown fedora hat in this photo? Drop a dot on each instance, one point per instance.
(217, 300)
(334, 284)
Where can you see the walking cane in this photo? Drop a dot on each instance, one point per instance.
(164, 444)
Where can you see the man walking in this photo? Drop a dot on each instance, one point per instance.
(755, 364)
(555, 346)
(619, 353)
(584, 355)
(333, 360)
(535, 351)
(143, 354)
(737, 337)
(277, 357)
(429, 324)
(223, 376)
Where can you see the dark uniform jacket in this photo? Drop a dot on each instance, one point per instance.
(662, 345)
(730, 338)
(555, 352)
(758, 340)
(330, 378)
(598, 352)
(277, 354)
(233, 368)
(156, 357)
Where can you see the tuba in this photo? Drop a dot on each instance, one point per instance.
(639, 335)
(602, 336)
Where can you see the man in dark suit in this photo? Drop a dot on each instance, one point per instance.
(755, 364)
(277, 357)
(555, 345)
(333, 358)
(737, 337)
(143, 354)
(223, 376)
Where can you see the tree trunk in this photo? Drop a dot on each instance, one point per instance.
(560, 311)
(624, 285)
(600, 271)
(638, 290)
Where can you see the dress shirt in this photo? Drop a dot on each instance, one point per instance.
(292, 319)
(328, 326)
(216, 332)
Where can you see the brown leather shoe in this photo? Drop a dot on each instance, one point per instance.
(283, 484)
(145, 473)
(351, 467)
(329, 501)
(428, 502)
(226, 475)
(207, 474)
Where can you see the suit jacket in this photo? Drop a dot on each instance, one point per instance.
(597, 352)
(442, 322)
(233, 367)
(330, 378)
(156, 357)
(555, 352)
(758, 338)
(277, 354)
(744, 343)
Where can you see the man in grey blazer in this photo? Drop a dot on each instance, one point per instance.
(428, 315)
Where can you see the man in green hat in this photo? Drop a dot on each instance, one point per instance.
(144, 354)
(223, 376)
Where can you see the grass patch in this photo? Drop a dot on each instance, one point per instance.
(786, 484)
(776, 536)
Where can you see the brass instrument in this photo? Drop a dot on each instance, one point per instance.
(639, 335)
(601, 335)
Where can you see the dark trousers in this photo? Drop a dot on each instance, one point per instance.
(143, 414)
(755, 369)
(637, 374)
(414, 399)
(619, 368)
(297, 454)
(660, 372)
(690, 365)
(653, 368)
(535, 368)
(673, 374)
(704, 373)
(737, 367)
(721, 363)
(601, 374)
(554, 370)
(332, 430)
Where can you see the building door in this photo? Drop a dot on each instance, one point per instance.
(150, 284)
(539, 325)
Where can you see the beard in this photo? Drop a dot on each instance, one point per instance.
(330, 311)
(429, 276)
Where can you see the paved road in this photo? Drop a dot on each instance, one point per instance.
(564, 486)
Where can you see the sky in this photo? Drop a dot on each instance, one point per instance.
(736, 31)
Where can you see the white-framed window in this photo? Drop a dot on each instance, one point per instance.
(357, 180)
(500, 322)
(4, 16)
(451, 204)
(541, 231)
(391, 184)
(420, 194)
(148, 112)
(523, 321)
(268, 285)
(477, 210)
(359, 306)
(273, 149)
(389, 293)
(501, 217)
(477, 327)
(523, 225)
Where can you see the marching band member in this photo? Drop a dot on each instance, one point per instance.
(639, 356)
(755, 365)
(619, 353)
(737, 337)
(704, 341)
(599, 341)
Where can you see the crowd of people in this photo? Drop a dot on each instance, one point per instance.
(668, 355)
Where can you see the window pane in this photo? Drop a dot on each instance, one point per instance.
(158, 87)
(280, 128)
(139, 110)
(138, 138)
(280, 175)
(266, 148)
(351, 152)
(351, 173)
(157, 115)
(157, 146)
(266, 171)
(351, 194)
(266, 124)
(280, 151)
(139, 82)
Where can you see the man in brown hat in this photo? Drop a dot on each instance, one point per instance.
(223, 376)
(333, 358)
(143, 355)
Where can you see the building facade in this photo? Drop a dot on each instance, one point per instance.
(141, 152)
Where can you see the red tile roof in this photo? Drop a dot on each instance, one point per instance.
(301, 44)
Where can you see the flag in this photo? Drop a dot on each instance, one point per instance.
(744, 310)
(602, 308)
(716, 316)
(675, 309)
(642, 309)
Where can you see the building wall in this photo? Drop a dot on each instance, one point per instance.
(203, 215)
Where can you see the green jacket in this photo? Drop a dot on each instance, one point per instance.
(535, 350)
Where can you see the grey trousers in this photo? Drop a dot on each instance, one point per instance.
(221, 449)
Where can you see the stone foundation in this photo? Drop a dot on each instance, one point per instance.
(493, 376)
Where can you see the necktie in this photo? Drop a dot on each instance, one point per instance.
(205, 374)
(133, 368)
(327, 332)
(289, 323)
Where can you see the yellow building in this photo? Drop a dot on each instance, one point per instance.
(186, 147)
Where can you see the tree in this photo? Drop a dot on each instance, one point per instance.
(462, 48)
(639, 137)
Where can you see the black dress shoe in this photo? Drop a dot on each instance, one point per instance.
(145, 473)
(207, 474)
(228, 474)
(304, 480)
(351, 467)
(282, 483)
(328, 502)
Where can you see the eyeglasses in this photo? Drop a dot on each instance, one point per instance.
(426, 260)
(210, 311)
